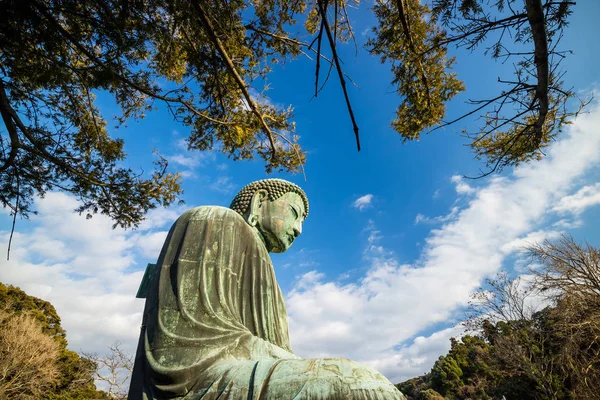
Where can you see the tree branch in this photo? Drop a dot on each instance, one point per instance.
(411, 45)
(67, 35)
(535, 16)
(10, 126)
(322, 11)
(42, 152)
(231, 67)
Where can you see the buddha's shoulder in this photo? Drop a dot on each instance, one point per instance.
(212, 213)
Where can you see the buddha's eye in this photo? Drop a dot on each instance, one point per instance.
(296, 215)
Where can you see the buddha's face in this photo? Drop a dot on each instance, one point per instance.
(279, 221)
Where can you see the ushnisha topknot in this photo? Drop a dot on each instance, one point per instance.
(275, 189)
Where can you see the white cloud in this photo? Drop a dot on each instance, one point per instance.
(566, 223)
(185, 160)
(87, 270)
(190, 159)
(363, 202)
(394, 302)
(460, 185)
(375, 236)
(411, 360)
(577, 203)
(308, 279)
(151, 243)
(159, 217)
(519, 244)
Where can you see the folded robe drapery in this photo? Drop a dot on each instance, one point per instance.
(215, 324)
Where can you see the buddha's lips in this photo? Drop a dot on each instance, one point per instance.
(291, 238)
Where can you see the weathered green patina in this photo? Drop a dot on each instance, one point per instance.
(215, 324)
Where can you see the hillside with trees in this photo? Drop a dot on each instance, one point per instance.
(34, 360)
(519, 352)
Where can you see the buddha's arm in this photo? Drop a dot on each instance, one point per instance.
(260, 348)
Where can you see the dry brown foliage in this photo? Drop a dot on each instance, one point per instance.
(28, 357)
(570, 273)
(557, 347)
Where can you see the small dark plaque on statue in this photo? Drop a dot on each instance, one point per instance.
(142, 292)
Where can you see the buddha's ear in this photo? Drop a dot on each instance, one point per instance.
(257, 201)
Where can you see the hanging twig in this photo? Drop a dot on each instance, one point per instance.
(336, 60)
(14, 221)
(291, 41)
(318, 67)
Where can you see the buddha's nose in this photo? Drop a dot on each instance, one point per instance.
(297, 230)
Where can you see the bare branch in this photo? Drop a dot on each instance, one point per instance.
(115, 369)
(322, 11)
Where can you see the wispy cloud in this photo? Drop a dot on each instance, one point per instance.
(577, 203)
(302, 258)
(184, 160)
(363, 202)
(224, 185)
(190, 159)
(420, 218)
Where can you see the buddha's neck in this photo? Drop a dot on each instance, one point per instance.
(260, 236)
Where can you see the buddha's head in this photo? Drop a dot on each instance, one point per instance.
(275, 208)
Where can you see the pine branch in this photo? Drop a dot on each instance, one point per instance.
(411, 45)
(40, 150)
(204, 19)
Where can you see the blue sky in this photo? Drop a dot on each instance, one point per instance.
(395, 241)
